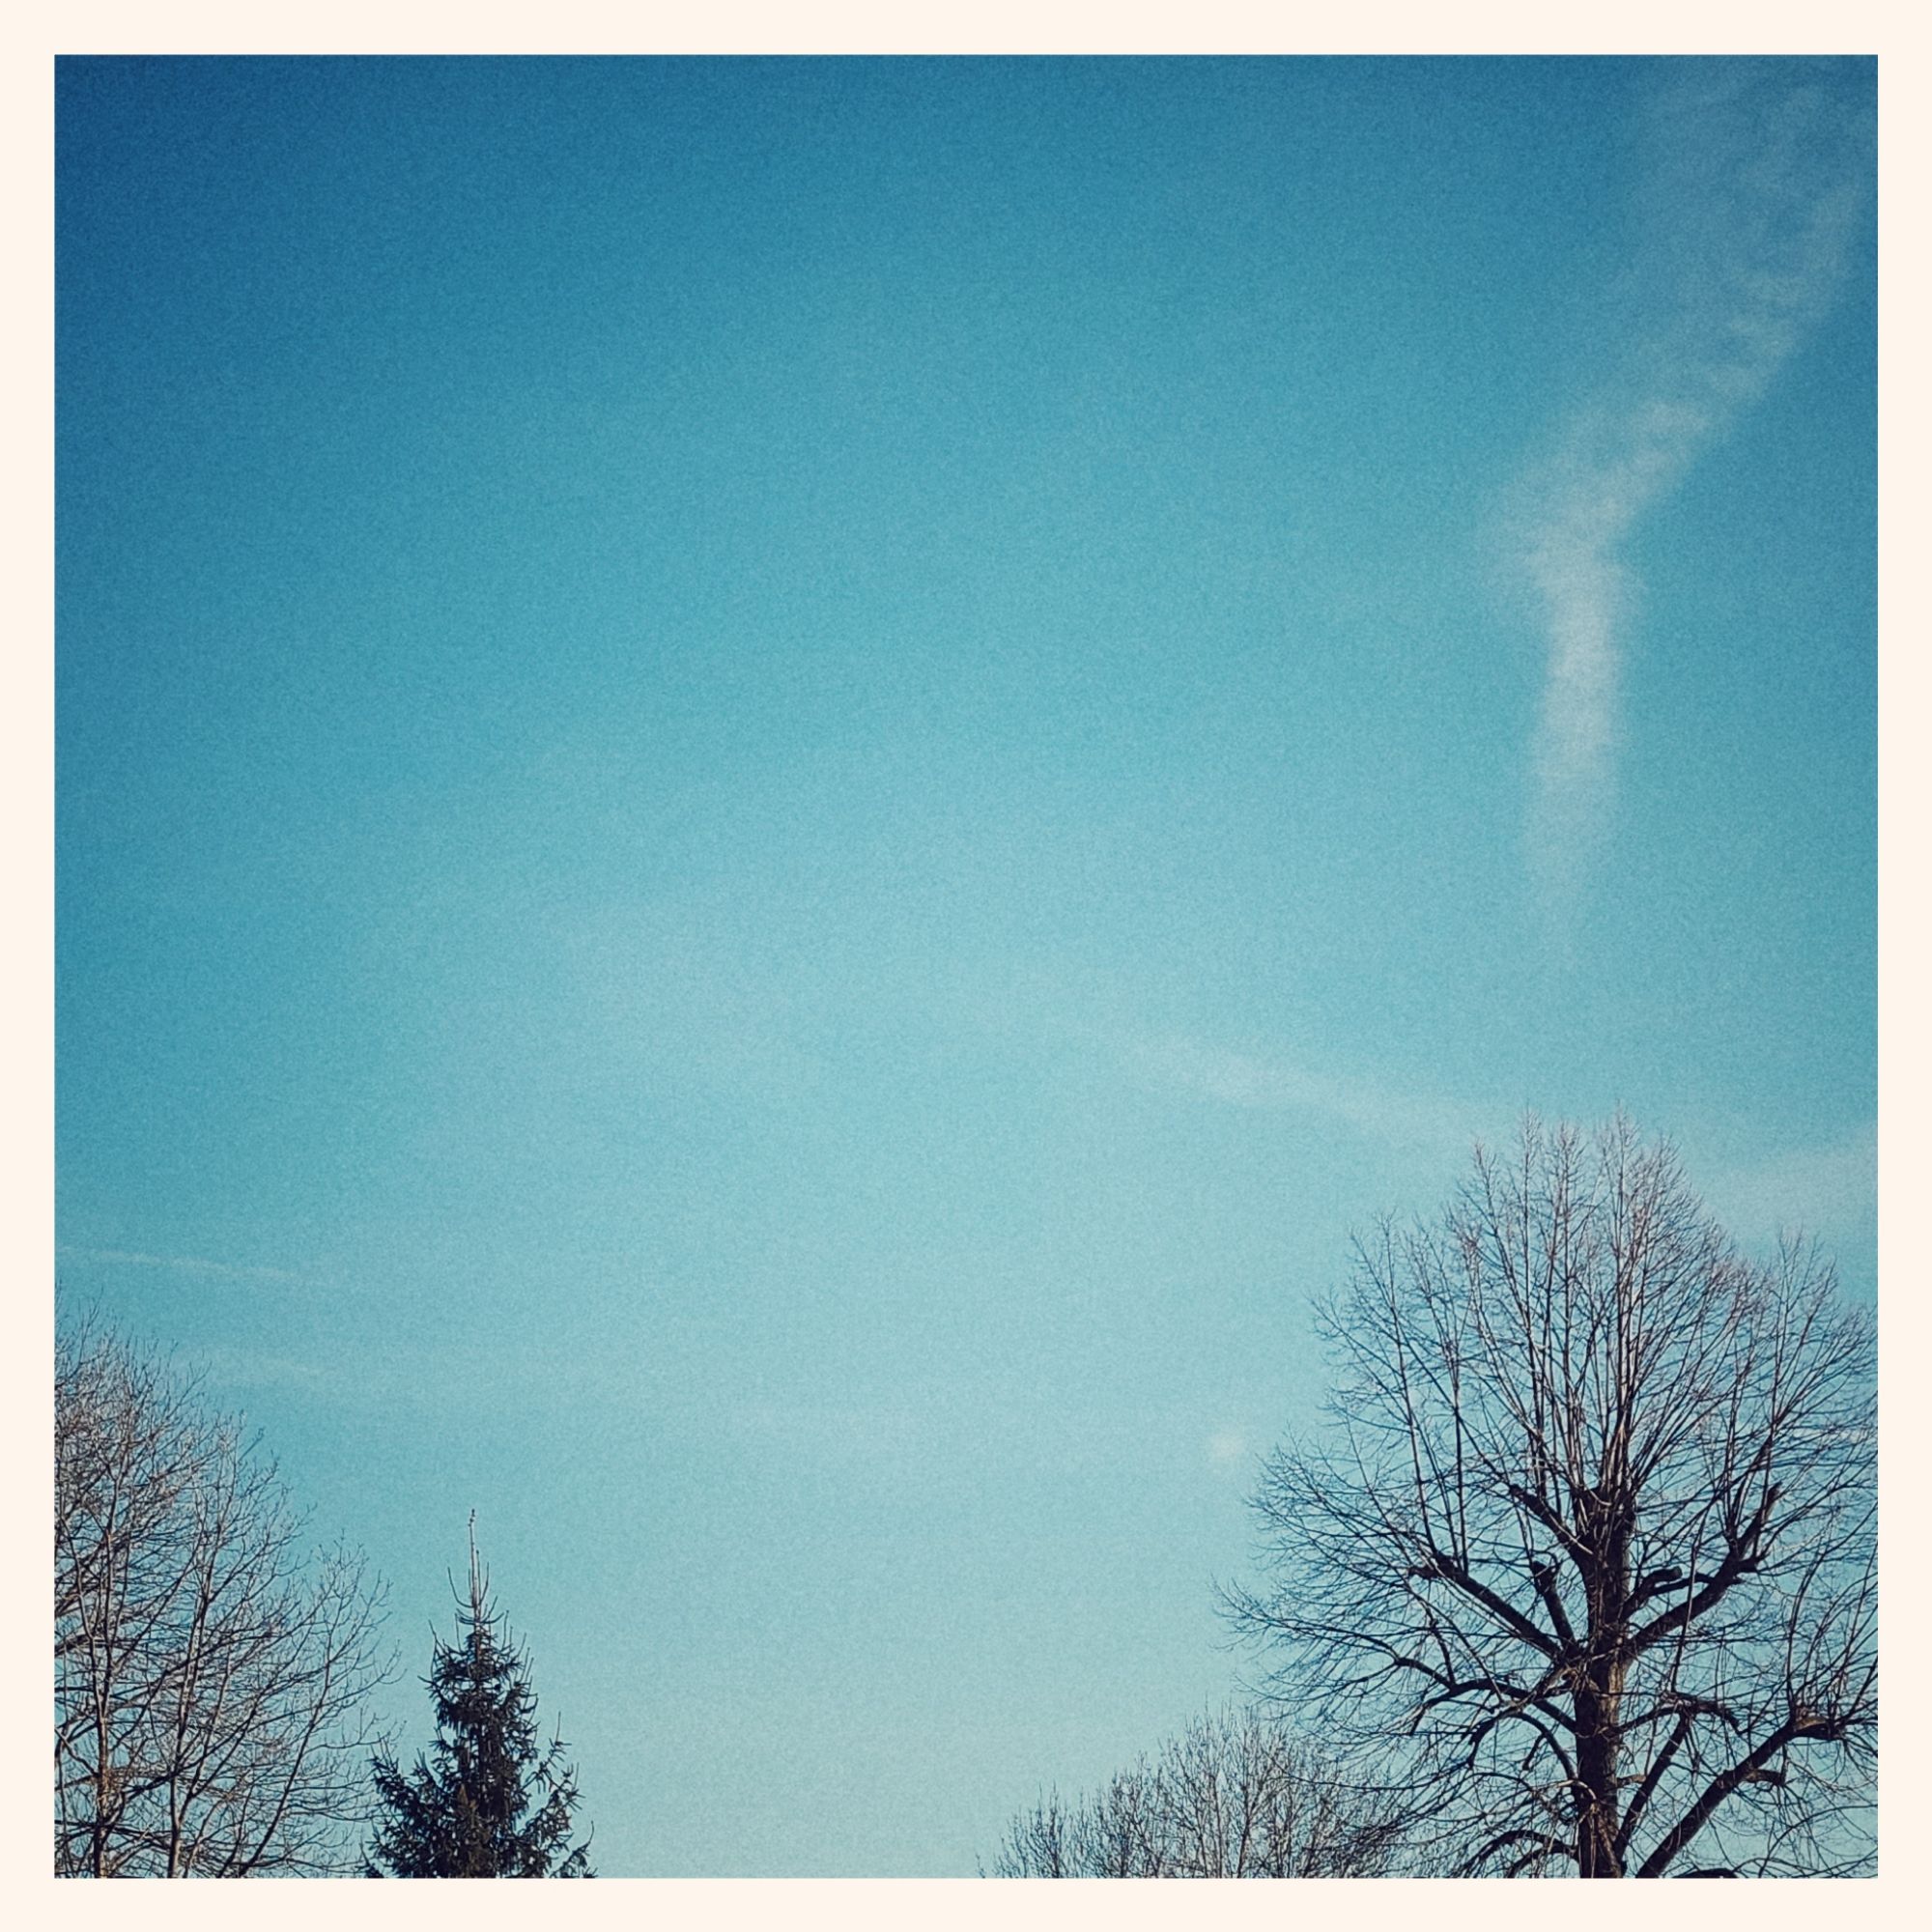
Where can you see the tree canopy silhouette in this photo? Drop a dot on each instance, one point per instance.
(1234, 1795)
(488, 1799)
(210, 1670)
(1585, 1568)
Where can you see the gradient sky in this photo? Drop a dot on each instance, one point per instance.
(781, 783)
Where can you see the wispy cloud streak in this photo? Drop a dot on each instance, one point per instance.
(1439, 1125)
(1756, 172)
(177, 1264)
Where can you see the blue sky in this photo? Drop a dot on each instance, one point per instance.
(781, 785)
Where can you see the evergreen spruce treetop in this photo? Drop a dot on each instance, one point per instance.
(488, 1799)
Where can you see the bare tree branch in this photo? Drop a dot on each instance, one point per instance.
(1586, 1564)
(1232, 1796)
(209, 1673)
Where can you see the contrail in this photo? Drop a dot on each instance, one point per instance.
(1756, 174)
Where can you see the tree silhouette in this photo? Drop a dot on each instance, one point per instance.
(1234, 1795)
(488, 1799)
(1586, 1566)
(211, 1671)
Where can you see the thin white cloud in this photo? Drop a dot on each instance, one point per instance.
(1446, 1127)
(179, 1264)
(255, 1367)
(1757, 174)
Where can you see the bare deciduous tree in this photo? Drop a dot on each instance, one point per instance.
(1587, 1564)
(207, 1672)
(1233, 1796)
